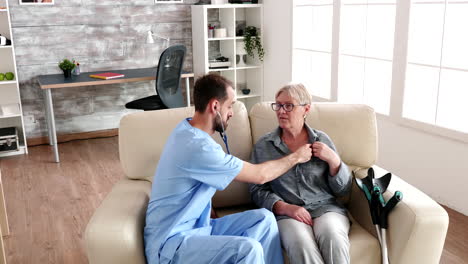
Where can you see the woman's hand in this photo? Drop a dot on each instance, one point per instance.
(325, 153)
(296, 212)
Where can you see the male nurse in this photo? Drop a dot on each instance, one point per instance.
(191, 168)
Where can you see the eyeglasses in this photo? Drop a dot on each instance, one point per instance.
(286, 107)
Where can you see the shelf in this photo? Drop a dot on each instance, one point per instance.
(8, 82)
(226, 38)
(243, 96)
(248, 67)
(232, 17)
(9, 116)
(218, 70)
(242, 37)
(234, 6)
(9, 110)
(22, 150)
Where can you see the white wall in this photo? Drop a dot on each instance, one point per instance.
(434, 164)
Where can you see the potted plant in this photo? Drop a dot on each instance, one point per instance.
(253, 42)
(66, 66)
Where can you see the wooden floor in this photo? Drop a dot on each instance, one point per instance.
(49, 204)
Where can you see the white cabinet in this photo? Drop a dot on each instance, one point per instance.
(230, 17)
(11, 114)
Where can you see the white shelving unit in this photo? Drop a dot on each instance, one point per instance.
(11, 113)
(228, 16)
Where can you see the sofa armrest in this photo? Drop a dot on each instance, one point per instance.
(115, 232)
(417, 226)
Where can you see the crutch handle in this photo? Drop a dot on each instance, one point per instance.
(396, 198)
(376, 204)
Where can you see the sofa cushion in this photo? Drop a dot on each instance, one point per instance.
(142, 137)
(240, 145)
(115, 232)
(352, 127)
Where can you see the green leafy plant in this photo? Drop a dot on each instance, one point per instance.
(253, 42)
(66, 64)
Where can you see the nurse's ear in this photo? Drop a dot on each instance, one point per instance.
(213, 106)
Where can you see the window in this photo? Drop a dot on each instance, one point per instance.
(313, 45)
(406, 59)
(436, 84)
(366, 53)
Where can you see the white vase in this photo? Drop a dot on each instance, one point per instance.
(240, 54)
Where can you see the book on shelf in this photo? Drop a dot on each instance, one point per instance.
(106, 75)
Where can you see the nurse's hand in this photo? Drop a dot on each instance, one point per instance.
(304, 153)
(296, 212)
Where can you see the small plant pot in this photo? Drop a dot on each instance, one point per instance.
(67, 73)
(245, 91)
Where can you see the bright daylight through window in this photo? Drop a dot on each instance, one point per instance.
(344, 51)
(436, 86)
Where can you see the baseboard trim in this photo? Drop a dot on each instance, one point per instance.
(74, 136)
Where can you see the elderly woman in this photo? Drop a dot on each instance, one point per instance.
(313, 225)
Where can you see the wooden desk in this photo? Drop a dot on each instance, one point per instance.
(55, 81)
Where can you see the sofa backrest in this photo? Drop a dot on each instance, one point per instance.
(352, 128)
(142, 137)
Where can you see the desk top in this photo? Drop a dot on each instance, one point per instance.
(131, 75)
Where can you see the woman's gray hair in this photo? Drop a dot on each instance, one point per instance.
(297, 91)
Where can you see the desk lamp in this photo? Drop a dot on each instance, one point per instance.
(150, 40)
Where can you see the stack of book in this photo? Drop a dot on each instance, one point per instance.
(106, 75)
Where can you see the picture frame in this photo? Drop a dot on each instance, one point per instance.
(168, 1)
(36, 2)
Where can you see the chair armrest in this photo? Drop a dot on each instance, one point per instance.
(115, 232)
(417, 226)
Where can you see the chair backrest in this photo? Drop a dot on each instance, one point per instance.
(169, 74)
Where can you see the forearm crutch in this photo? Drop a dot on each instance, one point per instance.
(373, 189)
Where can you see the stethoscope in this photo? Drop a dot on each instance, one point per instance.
(223, 134)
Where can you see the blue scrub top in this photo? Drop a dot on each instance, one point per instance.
(191, 168)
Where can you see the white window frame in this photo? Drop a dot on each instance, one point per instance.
(403, 8)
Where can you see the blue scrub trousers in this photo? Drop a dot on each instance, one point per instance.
(248, 237)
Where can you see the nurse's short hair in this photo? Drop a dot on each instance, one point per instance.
(297, 91)
(207, 87)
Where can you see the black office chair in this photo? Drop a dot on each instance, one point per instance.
(168, 78)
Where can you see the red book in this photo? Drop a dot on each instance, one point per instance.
(107, 75)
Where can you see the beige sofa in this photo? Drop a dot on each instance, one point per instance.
(417, 225)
